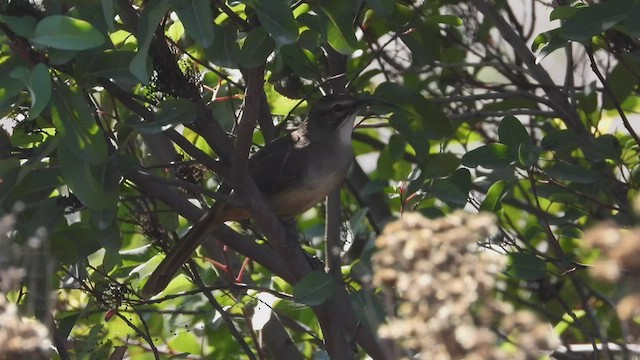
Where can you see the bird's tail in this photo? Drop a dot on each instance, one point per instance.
(179, 255)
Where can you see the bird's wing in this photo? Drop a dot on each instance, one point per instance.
(271, 167)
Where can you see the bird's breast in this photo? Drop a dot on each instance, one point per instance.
(325, 172)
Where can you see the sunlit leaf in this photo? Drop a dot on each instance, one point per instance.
(67, 33)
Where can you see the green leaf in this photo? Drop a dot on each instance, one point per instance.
(256, 48)
(562, 12)
(448, 192)
(197, 18)
(434, 123)
(453, 190)
(439, 165)
(490, 156)
(450, 20)
(34, 187)
(560, 140)
(546, 43)
(493, 201)
(107, 12)
(225, 50)
(10, 88)
(632, 23)
(67, 33)
(618, 82)
(573, 173)
(38, 81)
(24, 26)
(280, 104)
(357, 222)
(367, 308)
(340, 33)
(607, 146)
(154, 11)
(75, 125)
(108, 64)
(170, 113)
(396, 146)
(528, 155)
(314, 289)
(512, 133)
(382, 7)
(595, 19)
(94, 184)
(300, 60)
(277, 19)
(526, 266)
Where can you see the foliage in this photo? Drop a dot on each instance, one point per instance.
(121, 117)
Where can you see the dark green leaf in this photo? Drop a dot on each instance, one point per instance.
(528, 155)
(67, 33)
(109, 64)
(357, 221)
(256, 48)
(10, 88)
(382, 7)
(340, 33)
(197, 18)
(491, 156)
(512, 133)
(632, 23)
(277, 19)
(526, 266)
(493, 201)
(300, 60)
(413, 132)
(107, 12)
(396, 147)
(367, 308)
(24, 26)
(562, 12)
(384, 168)
(595, 19)
(454, 190)
(153, 12)
(76, 126)
(35, 186)
(607, 146)
(448, 192)
(38, 81)
(516, 102)
(93, 184)
(170, 113)
(314, 289)
(225, 50)
(439, 165)
(560, 140)
(74, 243)
(619, 84)
(573, 173)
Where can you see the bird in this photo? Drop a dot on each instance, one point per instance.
(293, 172)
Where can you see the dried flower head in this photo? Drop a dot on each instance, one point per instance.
(19, 338)
(445, 282)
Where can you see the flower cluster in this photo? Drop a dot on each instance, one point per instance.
(619, 263)
(445, 283)
(21, 339)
